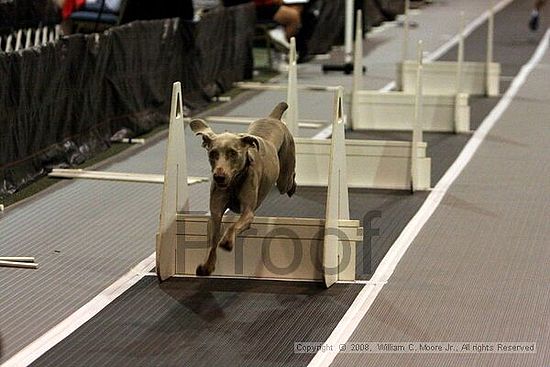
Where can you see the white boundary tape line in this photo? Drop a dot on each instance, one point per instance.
(62, 330)
(368, 294)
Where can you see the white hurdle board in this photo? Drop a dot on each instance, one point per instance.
(274, 247)
(440, 77)
(377, 164)
(391, 110)
(394, 111)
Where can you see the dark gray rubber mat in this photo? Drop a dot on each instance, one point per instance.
(199, 322)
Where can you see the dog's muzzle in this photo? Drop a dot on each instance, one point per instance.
(220, 180)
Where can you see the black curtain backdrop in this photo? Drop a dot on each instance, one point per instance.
(330, 23)
(61, 103)
(17, 14)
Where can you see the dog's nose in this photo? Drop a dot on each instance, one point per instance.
(219, 178)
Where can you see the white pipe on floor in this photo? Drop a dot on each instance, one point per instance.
(26, 259)
(17, 264)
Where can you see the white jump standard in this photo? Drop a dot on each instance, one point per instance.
(391, 110)
(274, 247)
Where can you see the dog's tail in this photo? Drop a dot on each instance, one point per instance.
(278, 111)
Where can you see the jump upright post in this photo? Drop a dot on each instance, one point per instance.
(175, 196)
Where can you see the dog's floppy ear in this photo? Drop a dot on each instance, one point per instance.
(200, 127)
(252, 142)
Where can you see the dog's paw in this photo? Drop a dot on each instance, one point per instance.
(226, 244)
(292, 190)
(203, 271)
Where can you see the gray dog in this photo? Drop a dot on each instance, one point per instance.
(245, 168)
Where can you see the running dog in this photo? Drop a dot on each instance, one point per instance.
(245, 167)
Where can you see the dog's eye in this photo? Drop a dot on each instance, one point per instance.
(231, 153)
(213, 155)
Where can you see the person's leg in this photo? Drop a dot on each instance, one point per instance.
(535, 14)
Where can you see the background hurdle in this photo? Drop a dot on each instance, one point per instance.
(384, 164)
(182, 238)
(374, 110)
(440, 77)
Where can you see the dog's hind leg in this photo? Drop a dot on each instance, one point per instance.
(287, 165)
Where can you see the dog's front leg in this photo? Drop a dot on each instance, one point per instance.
(218, 204)
(242, 224)
(248, 197)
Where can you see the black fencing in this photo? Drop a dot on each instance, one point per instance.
(62, 102)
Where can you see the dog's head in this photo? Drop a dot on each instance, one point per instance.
(228, 153)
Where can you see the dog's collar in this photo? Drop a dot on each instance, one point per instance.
(241, 175)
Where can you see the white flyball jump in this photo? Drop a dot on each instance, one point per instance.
(452, 77)
(274, 247)
(390, 110)
(378, 164)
